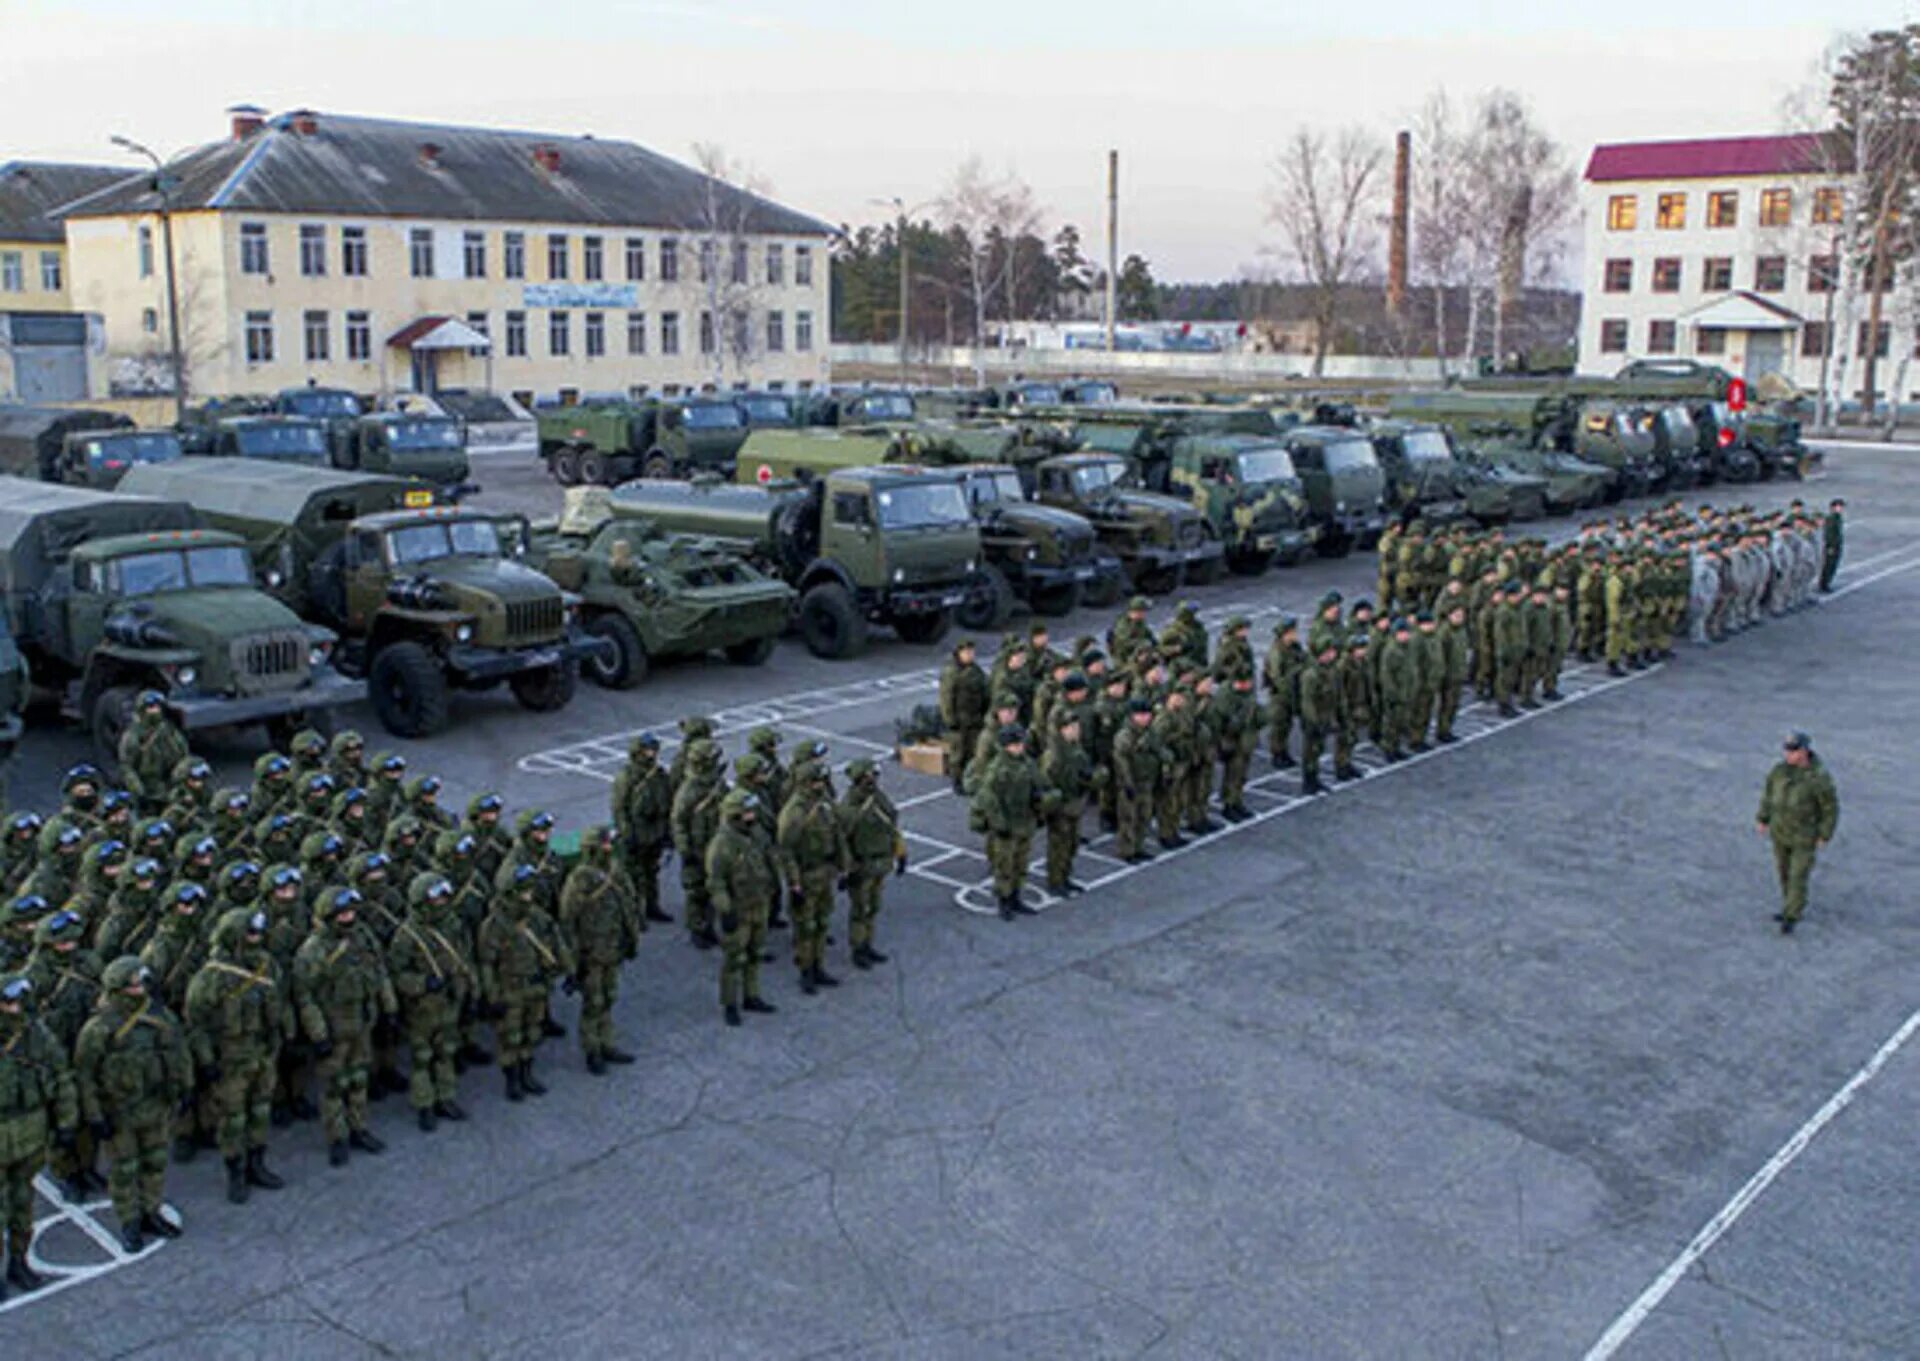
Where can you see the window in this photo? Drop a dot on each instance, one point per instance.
(314, 329)
(50, 272)
(13, 274)
(556, 255)
(1877, 340)
(706, 333)
(1613, 335)
(803, 331)
(1813, 340)
(253, 248)
(473, 254)
(1717, 275)
(636, 258)
(776, 264)
(359, 336)
(1661, 336)
(738, 270)
(478, 321)
(1623, 213)
(420, 252)
(1770, 273)
(593, 256)
(353, 252)
(259, 337)
(1710, 340)
(708, 254)
(1823, 273)
(742, 331)
(1829, 207)
(1672, 213)
(636, 333)
(1619, 276)
(313, 250)
(150, 320)
(559, 337)
(669, 333)
(1666, 274)
(776, 332)
(145, 239)
(803, 266)
(596, 334)
(516, 335)
(1723, 208)
(669, 261)
(1776, 207)
(513, 255)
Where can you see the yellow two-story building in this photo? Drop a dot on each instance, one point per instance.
(386, 256)
(33, 249)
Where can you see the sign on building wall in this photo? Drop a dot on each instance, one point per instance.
(579, 295)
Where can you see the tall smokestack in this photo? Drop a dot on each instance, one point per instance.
(1397, 232)
(1113, 250)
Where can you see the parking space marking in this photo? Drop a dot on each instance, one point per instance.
(62, 1276)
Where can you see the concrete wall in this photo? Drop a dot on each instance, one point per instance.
(1174, 368)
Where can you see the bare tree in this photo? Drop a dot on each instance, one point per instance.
(1443, 211)
(990, 214)
(1323, 200)
(1526, 188)
(732, 281)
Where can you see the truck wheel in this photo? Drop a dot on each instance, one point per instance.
(989, 603)
(1208, 572)
(546, 689)
(281, 730)
(754, 653)
(565, 467)
(1249, 562)
(1104, 590)
(924, 628)
(658, 466)
(1054, 601)
(831, 622)
(1160, 581)
(628, 666)
(1336, 545)
(112, 714)
(593, 469)
(409, 690)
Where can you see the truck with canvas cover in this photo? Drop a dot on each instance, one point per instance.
(649, 595)
(78, 447)
(1162, 541)
(891, 545)
(425, 598)
(606, 443)
(112, 594)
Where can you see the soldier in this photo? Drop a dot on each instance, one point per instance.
(1130, 632)
(1198, 794)
(693, 731)
(1006, 713)
(813, 842)
(1453, 673)
(423, 801)
(1050, 691)
(101, 868)
(1320, 709)
(1238, 720)
(521, 954)
(1399, 687)
(1427, 667)
(1173, 725)
(643, 822)
(1014, 676)
(1327, 623)
(1109, 720)
(1482, 610)
(776, 779)
(533, 845)
(1537, 614)
(1799, 810)
(492, 843)
(1387, 553)
(170, 961)
(232, 825)
(454, 860)
(810, 756)
(41, 1109)
(189, 795)
(349, 819)
(341, 988)
(1833, 542)
(238, 1011)
(871, 825)
(600, 917)
(1285, 660)
(386, 792)
(434, 980)
(744, 879)
(963, 708)
(56, 870)
(750, 774)
(149, 750)
(133, 1071)
(347, 760)
(1006, 805)
(1069, 773)
(66, 986)
(307, 749)
(1186, 635)
(696, 818)
(1137, 761)
(21, 849)
(1560, 639)
(1510, 647)
(133, 912)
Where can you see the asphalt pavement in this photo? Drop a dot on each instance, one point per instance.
(1458, 1061)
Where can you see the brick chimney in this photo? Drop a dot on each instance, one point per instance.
(1397, 231)
(305, 122)
(245, 120)
(430, 155)
(547, 157)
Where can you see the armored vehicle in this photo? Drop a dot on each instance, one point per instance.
(650, 595)
(1421, 474)
(1161, 540)
(605, 443)
(892, 545)
(113, 594)
(1345, 487)
(1497, 494)
(79, 448)
(424, 597)
(423, 448)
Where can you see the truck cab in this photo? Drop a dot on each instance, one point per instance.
(424, 448)
(1619, 435)
(100, 458)
(1420, 470)
(1047, 556)
(877, 406)
(1161, 540)
(276, 439)
(337, 409)
(1247, 488)
(1345, 487)
(768, 410)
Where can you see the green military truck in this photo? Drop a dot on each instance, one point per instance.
(1420, 471)
(78, 447)
(649, 595)
(888, 545)
(16, 685)
(1346, 490)
(424, 597)
(111, 594)
(606, 443)
(1162, 541)
(412, 445)
(840, 409)
(268, 439)
(1617, 437)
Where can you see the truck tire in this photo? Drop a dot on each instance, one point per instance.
(1105, 590)
(657, 467)
(112, 715)
(593, 469)
(831, 622)
(1160, 580)
(1209, 572)
(546, 689)
(409, 690)
(924, 628)
(281, 730)
(989, 604)
(1335, 545)
(565, 466)
(1054, 601)
(752, 653)
(1248, 562)
(629, 665)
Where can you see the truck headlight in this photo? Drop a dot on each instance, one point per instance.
(317, 655)
(899, 575)
(274, 579)
(463, 633)
(1032, 552)
(185, 676)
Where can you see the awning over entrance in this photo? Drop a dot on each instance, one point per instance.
(438, 333)
(1743, 311)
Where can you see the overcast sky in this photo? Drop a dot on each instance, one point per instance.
(837, 102)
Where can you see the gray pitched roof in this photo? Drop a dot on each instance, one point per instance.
(384, 168)
(30, 190)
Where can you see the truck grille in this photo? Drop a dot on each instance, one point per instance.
(265, 662)
(1077, 549)
(533, 621)
(1186, 534)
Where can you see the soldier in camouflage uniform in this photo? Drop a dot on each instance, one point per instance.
(1007, 805)
(1238, 720)
(386, 791)
(1453, 672)
(434, 980)
(190, 795)
(696, 818)
(1285, 660)
(1173, 726)
(1068, 771)
(600, 916)
(455, 860)
(1137, 772)
(66, 986)
(347, 760)
(21, 849)
(39, 1108)
(272, 785)
(813, 842)
(239, 1010)
(1131, 632)
(643, 822)
(341, 989)
(743, 879)
(963, 708)
(521, 954)
(1320, 710)
(693, 730)
(133, 1071)
(149, 750)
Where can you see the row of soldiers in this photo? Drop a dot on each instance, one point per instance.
(189, 976)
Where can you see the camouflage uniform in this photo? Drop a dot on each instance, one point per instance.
(1069, 773)
(238, 1011)
(1008, 803)
(643, 822)
(963, 709)
(434, 980)
(696, 819)
(521, 954)
(150, 748)
(814, 844)
(1137, 772)
(600, 916)
(341, 988)
(133, 1070)
(39, 1105)
(743, 879)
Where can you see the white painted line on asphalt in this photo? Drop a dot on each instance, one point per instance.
(61, 1276)
(827, 735)
(1839, 592)
(1636, 1313)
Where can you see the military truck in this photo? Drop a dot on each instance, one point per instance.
(649, 595)
(1345, 487)
(16, 685)
(1421, 475)
(769, 410)
(1614, 435)
(423, 448)
(606, 443)
(273, 439)
(334, 408)
(112, 594)
(1619, 434)
(77, 447)
(1160, 540)
(866, 406)
(424, 597)
(893, 545)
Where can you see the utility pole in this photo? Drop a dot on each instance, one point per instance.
(1113, 251)
(900, 244)
(163, 184)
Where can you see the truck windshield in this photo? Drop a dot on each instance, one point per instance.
(1092, 393)
(994, 488)
(175, 570)
(1036, 394)
(123, 451)
(321, 406)
(713, 416)
(767, 410)
(275, 439)
(1091, 479)
(1426, 446)
(1350, 455)
(922, 505)
(1681, 429)
(884, 406)
(1266, 465)
(424, 543)
(420, 436)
